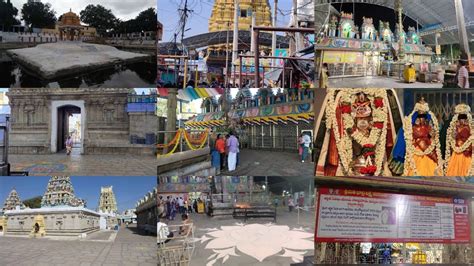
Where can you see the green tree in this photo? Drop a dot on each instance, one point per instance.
(99, 17)
(33, 203)
(8, 15)
(146, 21)
(38, 15)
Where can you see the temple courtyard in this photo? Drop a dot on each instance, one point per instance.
(259, 241)
(271, 163)
(84, 165)
(127, 247)
(378, 82)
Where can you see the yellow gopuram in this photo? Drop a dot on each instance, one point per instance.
(222, 16)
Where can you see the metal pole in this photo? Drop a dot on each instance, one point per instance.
(463, 37)
(256, 32)
(240, 72)
(227, 57)
(235, 43)
(274, 35)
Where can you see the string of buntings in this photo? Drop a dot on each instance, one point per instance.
(190, 94)
(181, 134)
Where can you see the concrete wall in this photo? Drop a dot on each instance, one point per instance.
(72, 223)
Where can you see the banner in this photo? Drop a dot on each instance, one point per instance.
(347, 215)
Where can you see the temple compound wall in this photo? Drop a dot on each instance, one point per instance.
(58, 221)
(147, 212)
(39, 120)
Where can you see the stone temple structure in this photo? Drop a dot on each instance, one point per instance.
(61, 214)
(146, 210)
(12, 202)
(107, 202)
(40, 121)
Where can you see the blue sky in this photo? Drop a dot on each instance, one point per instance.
(128, 189)
(198, 20)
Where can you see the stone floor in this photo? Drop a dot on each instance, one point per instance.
(241, 253)
(129, 248)
(271, 163)
(85, 165)
(378, 82)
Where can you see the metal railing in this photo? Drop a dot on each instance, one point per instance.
(165, 146)
(178, 249)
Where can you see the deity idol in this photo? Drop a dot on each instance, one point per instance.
(358, 132)
(417, 151)
(459, 142)
(368, 29)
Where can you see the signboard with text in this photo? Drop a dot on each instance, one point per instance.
(348, 215)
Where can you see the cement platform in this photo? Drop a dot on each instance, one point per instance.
(63, 59)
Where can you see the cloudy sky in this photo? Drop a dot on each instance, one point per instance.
(123, 9)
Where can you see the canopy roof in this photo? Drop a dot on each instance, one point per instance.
(433, 16)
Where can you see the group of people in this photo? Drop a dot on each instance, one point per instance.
(290, 202)
(171, 206)
(225, 150)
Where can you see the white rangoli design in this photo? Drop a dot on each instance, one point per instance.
(259, 241)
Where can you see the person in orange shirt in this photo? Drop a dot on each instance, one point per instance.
(220, 147)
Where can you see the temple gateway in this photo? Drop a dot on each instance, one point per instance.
(40, 121)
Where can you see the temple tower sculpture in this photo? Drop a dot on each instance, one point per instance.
(12, 201)
(223, 13)
(60, 192)
(107, 202)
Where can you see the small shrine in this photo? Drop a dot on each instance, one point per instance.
(70, 28)
(38, 229)
(13, 201)
(346, 26)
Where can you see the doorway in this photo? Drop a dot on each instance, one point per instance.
(69, 125)
(67, 119)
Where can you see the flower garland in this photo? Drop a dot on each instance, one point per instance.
(411, 149)
(450, 140)
(374, 144)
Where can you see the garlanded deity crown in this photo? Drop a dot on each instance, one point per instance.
(462, 109)
(345, 15)
(422, 107)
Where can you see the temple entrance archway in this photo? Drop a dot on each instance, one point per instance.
(63, 114)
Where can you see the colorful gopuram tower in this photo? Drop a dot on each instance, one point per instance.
(223, 13)
(12, 201)
(60, 192)
(107, 202)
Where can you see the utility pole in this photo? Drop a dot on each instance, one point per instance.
(401, 40)
(184, 17)
(274, 34)
(293, 35)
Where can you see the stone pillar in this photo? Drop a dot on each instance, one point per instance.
(171, 114)
(463, 36)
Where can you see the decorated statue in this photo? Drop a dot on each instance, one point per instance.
(346, 25)
(333, 26)
(359, 133)
(398, 36)
(459, 142)
(417, 151)
(355, 33)
(368, 29)
(412, 36)
(386, 34)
